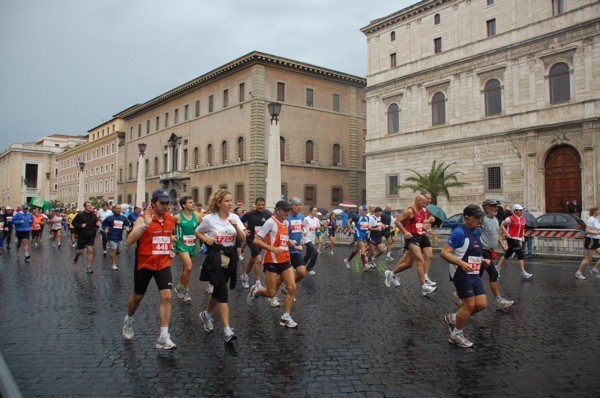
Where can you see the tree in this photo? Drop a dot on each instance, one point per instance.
(55, 204)
(437, 181)
(97, 201)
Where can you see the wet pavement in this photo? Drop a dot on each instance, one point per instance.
(60, 334)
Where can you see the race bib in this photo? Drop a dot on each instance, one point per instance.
(35, 225)
(118, 224)
(189, 240)
(364, 225)
(419, 226)
(225, 240)
(311, 229)
(9, 218)
(475, 263)
(296, 225)
(161, 245)
(283, 242)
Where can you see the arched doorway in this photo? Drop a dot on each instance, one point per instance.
(562, 178)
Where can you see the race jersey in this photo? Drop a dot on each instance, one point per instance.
(516, 227)
(490, 232)
(296, 226)
(467, 247)
(374, 222)
(220, 230)
(186, 232)
(362, 227)
(102, 214)
(594, 224)
(276, 234)
(415, 224)
(115, 224)
(70, 218)
(310, 226)
(56, 222)
(38, 220)
(254, 220)
(154, 247)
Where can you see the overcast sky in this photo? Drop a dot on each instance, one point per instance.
(68, 65)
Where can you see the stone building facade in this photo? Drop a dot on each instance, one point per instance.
(212, 132)
(507, 89)
(100, 156)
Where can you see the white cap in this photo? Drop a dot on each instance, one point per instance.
(517, 206)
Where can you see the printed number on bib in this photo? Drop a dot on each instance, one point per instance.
(189, 240)
(419, 226)
(296, 225)
(161, 245)
(474, 263)
(118, 224)
(225, 240)
(364, 226)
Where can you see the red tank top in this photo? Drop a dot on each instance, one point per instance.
(516, 228)
(154, 247)
(414, 225)
(277, 235)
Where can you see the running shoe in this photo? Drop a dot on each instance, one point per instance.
(274, 302)
(579, 275)
(252, 296)
(179, 291)
(396, 280)
(526, 275)
(389, 258)
(244, 279)
(165, 343)
(427, 290)
(209, 325)
(448, 319)
(331, 252)
(128, 328)
(27, 258)
(187, 298)
(103, 253)
(430, 282)
(389, 276)
(89, 270)
(114, 267)
(347, 263)
(229, 335)
(594, 271)
(460, 340)
(287, 321)
(210, 288)
(241, 258)
(502, 303)
(373, 265)
(258, 284)
(311, 272)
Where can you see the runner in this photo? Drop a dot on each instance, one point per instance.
(331, 226)
(310, 225)
(8, 226)
(591, 244)
(376, 236)
(153, 233)
(295, 227)
(22, 221)
(102, 214)
(360, 239)
(72, 235)
(254, 220)
(56, 228)
(463, 252)
(36, 227)
(388, 222)
(86, 225)
(426, 247)
(514, 238)
(274, 237)
(218, 231)
(186, 223)
(2, 229)
(113, 227)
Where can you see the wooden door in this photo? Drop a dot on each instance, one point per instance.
(562, 178)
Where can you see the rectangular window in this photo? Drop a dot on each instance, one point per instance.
(310, 194)
(207, 193)
(198, 108)
(392, 185)
(176, 116)
(336, 196)
(223, 186)
(493, 178)
(491, 27)
(491, 2)
(210, 103)
(242, 92)
(558, 7)
(336, 102)
(185, 160)
(131, 133)
(186, 112)
(437, 45)
(196, 195)
(148, 126)
(157, 124)
(239, 193)
(139, 130)
(280, 91)
(284, 190)
(393, 60)
(309, 97)
(225, 98)
(166, 119)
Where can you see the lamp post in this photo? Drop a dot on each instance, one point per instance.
(273, 180)
(81, 195)
(141, 180)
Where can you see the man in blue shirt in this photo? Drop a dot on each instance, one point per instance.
(22, 221)
(113, 227)
(295, 225)
(360, 239)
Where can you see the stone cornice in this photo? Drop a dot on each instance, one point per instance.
(402, 15)
(250, 59)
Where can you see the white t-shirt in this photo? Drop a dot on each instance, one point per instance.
(221, 230)
(593, 223)
(103, 214)
(56, 223)
(310, 225)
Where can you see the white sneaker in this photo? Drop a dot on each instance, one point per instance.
(210, 288)
(207, 321)
(389, 276)
(274, 302)
(258, 284)
(311, 272)
(241, 258)
(396, 280)
(165, 343)
(460, 340)
(287, 321)
(229, 335)
(347, 263)
(187, 298)
(526, 275)
(579, 275)
(427, 290)
(179, 291)
(114, 267)
(430, 282)
(128, 329)
(389, 258)
(502, 303)
(252, 296)
(594, 271)
(244, 279)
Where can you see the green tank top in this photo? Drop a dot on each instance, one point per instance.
(186, 234)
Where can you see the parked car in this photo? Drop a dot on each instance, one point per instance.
(560, 221)
(453, 222)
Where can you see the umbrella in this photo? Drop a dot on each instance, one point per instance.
(437, 212)
(337, 212)
(348, 203)
(530, 220)
(322, 210)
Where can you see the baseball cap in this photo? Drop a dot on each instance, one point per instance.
(473, 211)
(294, 201)
(517, 206)
(283, 205)
(161, 195)
(364, 207)
(489, 202)
(25, 207)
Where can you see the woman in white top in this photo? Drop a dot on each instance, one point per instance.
(218, 231)
(592, 243)
(311, 224)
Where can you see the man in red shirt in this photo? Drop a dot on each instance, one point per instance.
(514, 238)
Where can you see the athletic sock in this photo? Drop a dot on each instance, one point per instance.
(164, 331)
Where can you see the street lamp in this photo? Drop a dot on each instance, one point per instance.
(273, 180)
(141, 180)
(81, 195)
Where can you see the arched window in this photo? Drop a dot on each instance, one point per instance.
(240, 149)
(209, 155)
(310, 151)
(493, 97)
(196, 156)
(392, 36)
(438, 109)
(224, 151)
(436, 19)
(282, 149)
(337, 158)
(560, 87)
(393, 119)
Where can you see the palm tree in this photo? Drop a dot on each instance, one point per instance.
(437, 181)
(97, 201)
(55, 203)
